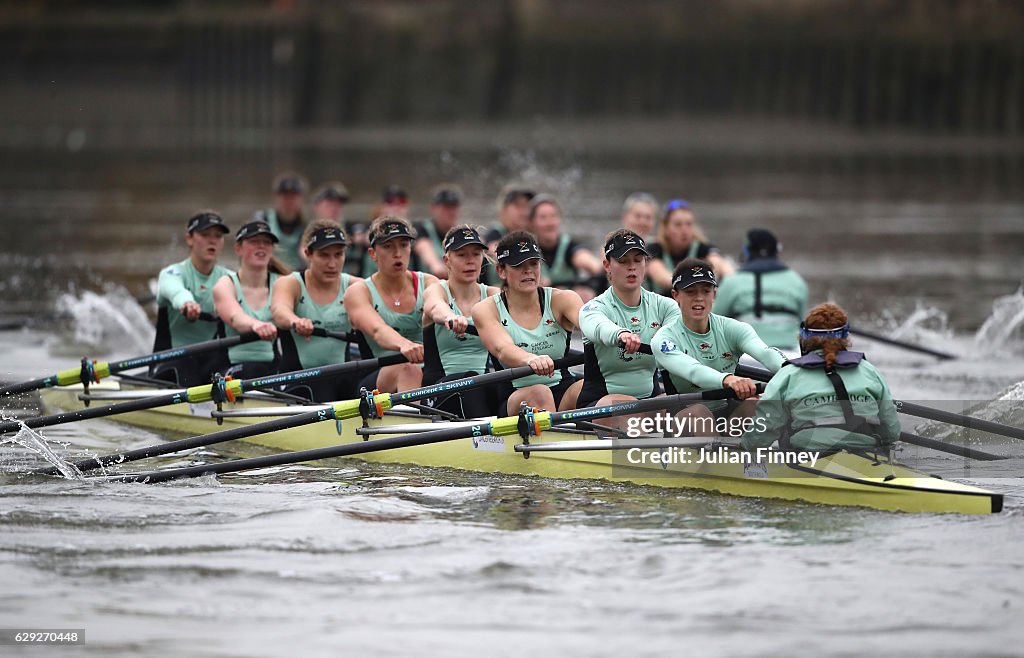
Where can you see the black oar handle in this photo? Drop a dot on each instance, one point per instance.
(644, 347)
(471, 329)
(179, 352)
(348, 336)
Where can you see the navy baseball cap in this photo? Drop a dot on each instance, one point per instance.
(252, 229)
(390, 231)
(462, 237)
(204, 220)
(623, 243)
(325, 237)
(693, 275)
(521, 252)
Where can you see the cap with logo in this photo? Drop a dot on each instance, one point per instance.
(694, 275)
(252, 229)
(463, 237)
(623, 243)
(520, 252)
(390, 231)
(204, 220)
(325, 237)
(331, 192)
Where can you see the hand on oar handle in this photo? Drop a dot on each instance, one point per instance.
(265, 330)
(630, 342)
(743, 387)
(303, 327)
(191, 311)
(542, 364)
(459, 324)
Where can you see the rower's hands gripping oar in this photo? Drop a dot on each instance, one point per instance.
(220, 391)
(93, 371)
(371, 405)
(744, 387)
(526, 424)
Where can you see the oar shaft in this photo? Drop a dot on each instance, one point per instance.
(346, 450)
(899, 343)
(179, 352)
(959, 419)
(200, 441)
(95, 412)
(942, 446)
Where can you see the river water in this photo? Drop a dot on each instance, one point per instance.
(386, 560)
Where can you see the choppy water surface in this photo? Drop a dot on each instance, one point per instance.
(389, 560)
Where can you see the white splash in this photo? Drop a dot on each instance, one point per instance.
(102, 323)
(1005, 327)
(35, 442)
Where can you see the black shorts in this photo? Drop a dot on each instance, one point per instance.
(589, 395)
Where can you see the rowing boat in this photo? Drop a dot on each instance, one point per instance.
(841, 478)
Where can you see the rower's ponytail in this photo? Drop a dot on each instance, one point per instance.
(825, 317)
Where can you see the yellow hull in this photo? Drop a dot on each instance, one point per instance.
(839, 479)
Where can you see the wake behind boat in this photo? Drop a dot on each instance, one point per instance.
(840, 478)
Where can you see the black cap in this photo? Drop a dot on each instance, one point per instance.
(325, 237)
(462, 237)
(331, 191)
(521, 252)
(516, 193)
(289, 184)
(204, 220)
(447, 196)
(622, 243)
(252, 229)
(390, 231)
(692, 275)
(392, 193)
(761, 244)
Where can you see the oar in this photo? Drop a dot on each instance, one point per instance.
(912, 409)
(93, 371)
(529, 424)
(337, 411)
(223, 390)
(899, 343)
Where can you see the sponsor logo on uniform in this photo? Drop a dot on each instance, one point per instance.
(667, 346)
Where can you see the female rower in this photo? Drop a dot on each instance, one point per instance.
(830, 398)
(566, 263)
(243, 301)
(626, 314)
(527, 324)
(184, 292)
(679, 237)
(452, 352)
(701, 350)
(387, 307)
(314, 298)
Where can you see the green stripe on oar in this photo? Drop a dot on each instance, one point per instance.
(337, 411)
(921, 411)
(500, 427)
(89, 372)
(203, 393)
(899, 343)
